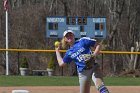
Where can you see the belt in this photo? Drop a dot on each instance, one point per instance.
(88, 68)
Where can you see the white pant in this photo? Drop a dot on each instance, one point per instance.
(86, 76)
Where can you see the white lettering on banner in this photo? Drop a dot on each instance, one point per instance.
(96, 33)
(73, 28)
(101, 33)
(55, 19)
(83, 33)
(53, 33)
(98, 20)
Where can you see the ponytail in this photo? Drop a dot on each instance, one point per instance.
(64, 44)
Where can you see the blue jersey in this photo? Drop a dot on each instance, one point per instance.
(81, 46)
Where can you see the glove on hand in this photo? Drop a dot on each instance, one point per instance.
(88, 57)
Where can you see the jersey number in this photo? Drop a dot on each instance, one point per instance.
(79, 58)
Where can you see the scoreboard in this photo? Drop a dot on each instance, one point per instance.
(93, 27)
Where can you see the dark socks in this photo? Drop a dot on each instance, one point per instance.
(103, 89)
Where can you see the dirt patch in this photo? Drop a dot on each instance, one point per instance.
(69, 89)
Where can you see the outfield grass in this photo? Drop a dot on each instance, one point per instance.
(38, 81)
(122, 81)
(62, 81)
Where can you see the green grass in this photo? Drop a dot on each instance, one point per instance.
(62, 81)
(38, 81)
(122, 81)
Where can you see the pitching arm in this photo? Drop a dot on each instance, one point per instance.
(59, 58)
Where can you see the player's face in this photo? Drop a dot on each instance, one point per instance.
(70, 38)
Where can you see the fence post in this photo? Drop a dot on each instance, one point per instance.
(102, 62)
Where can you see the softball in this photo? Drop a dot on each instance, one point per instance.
(57, 43)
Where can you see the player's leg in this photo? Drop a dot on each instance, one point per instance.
(100, 85)
(97, 78)
(85, 81)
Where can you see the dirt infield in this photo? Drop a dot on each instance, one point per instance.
(70, 89)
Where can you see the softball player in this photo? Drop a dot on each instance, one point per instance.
(80, 52)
